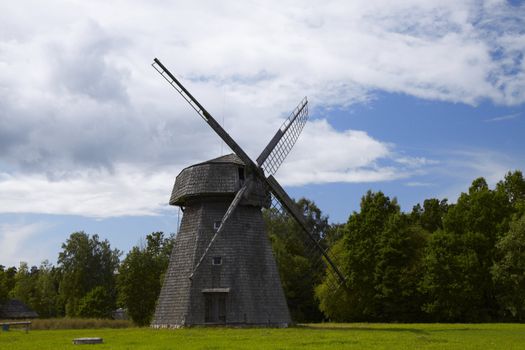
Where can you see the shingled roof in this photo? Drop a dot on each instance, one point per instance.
(13, 309)
(229, 158)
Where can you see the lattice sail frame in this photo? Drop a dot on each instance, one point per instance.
(287, 136)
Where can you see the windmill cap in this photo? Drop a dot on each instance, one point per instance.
(217, 178)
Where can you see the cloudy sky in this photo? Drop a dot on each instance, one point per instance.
(414, 98)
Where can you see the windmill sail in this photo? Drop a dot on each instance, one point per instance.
(284, 139)
(314, 246)
(170, 78)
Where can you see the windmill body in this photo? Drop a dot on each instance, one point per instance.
(236, 281)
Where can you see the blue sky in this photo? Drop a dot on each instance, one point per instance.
(413, 99)
(463, 141)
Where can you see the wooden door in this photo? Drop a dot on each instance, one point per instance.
(215, 307)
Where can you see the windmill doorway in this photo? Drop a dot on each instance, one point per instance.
(215, 305)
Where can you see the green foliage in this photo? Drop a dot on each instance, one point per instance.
(97, 303)
(141, 276)
(430, 216)
(451, 294)
(379, 254)
(513, 187)
(361, 242)
(480, 210)
(38, 288)
(3, 285)
(295, 261)
(10, 274)
(398, 269)
(333, 303)
(7, 282)
(46, 302)
(86, 263)
(509, 271)
(458, 261)
(25, 288)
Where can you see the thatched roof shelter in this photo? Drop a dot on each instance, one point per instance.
(15, 309)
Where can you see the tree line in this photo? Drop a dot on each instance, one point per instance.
(441, 262)
(462, 262)
(90, 280)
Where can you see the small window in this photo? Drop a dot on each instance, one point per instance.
(216, 225)
(217, 260)
(241, 174)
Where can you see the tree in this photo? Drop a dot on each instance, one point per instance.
(97, 303)
(86, 263)
(358, 252)
(450, 267)
(3, 285)
(509, 271)
(10, 274)
(141, 275)
(513, 188)
(398, 269)
(335, 303)
(46, 302)
(430, 216)
(480, 210)
(297, 259)
(459, 258)
(25, 287)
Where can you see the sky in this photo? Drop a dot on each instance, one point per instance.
(412, 98)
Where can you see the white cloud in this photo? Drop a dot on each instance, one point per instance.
(97, 193)
(415, 161)
(87, 126)
(419, 184)
(482, 163)
(461, 167)
(503, 117)
(15, 243)
(324, 155)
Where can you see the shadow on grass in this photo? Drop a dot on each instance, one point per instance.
(413, 330)
(368, 329)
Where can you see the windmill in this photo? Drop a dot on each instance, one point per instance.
(222, 270)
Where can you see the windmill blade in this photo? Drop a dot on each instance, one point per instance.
(170, 78)
(285, 200)
(284, 139)
(312, 247)
(227, 215)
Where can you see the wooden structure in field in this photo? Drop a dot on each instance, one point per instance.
(222, 270)
(237, 282)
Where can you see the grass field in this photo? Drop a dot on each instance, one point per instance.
(316, 336)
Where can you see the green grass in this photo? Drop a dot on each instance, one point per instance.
(317, 336)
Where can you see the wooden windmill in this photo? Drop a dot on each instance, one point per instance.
(222, 270)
